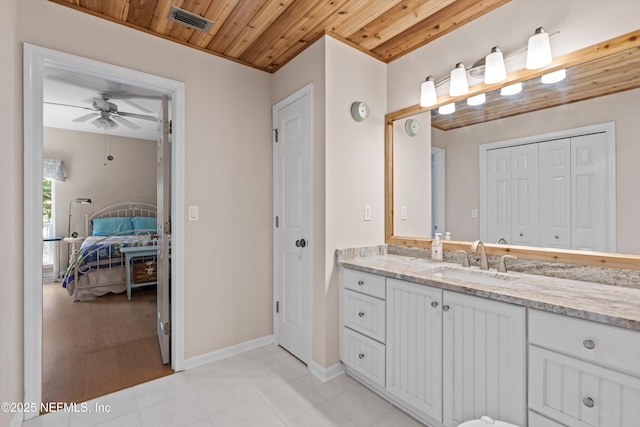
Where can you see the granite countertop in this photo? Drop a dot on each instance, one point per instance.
(613, 305)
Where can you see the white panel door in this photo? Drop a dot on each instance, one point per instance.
(484, 360)
(414, 345)
(524, 195)
(555, 193)
(498, 195)
(292, 201)
(164, 230)
(589, 201)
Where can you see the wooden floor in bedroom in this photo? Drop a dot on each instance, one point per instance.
(100, 346)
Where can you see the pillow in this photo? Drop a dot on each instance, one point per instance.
(109, 226)
(144, 223)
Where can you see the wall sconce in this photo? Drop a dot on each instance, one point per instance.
(428, 96)
(79, 200)
(458, 84)
(494, 69)
(555, 77)
(447, 109)
(511, 90)
(539, 50)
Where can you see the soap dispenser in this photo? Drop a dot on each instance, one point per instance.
(436, 248)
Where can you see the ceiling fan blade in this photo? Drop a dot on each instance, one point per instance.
(68, 105)
(138, 116)
(137, 105)
(125, 122)
(85, 118)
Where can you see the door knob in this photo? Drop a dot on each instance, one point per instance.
(301, 243)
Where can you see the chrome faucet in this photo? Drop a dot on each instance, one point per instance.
(484, 262)
(501, 240)
(465, 258)
(502, 267)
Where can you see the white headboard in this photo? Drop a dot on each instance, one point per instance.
(123, 210)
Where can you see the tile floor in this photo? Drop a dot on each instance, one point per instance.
(263, 387)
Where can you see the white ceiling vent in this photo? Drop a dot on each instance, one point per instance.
(189, 19)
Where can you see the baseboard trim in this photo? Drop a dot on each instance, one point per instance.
(326, 374)
(223, 353)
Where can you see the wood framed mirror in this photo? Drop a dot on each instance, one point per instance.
(616, 65)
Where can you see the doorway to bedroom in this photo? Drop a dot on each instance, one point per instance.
(115, 333)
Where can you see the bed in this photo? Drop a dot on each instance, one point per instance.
(98, 266)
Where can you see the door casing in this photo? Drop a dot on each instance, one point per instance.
(36, 60)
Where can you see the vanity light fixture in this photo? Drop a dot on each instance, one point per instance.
(539, 50)
(494, 69)
(511, 90)
(555, 77)
(477, 100)
(458, 84)
(447, 109)
(428, 96)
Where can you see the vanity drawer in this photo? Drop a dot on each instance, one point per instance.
(606, 345)
(367, 283)
(364, 314)
(537, 420)
(364, 355)
(578, 393)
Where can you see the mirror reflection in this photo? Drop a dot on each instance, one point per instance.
(568, 208)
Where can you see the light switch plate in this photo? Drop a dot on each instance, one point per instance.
(193, 213)
(474, 213)
(367, 212)
(403, 213)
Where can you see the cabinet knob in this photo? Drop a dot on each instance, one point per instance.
(361, 356)
(360, 282)
(445, 308)
(361, 314)
(589, 344)
(588, 402)
(434, 304)
(521, 235)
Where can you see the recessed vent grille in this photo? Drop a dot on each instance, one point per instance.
(189, 19)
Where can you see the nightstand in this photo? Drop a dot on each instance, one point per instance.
(132, 252)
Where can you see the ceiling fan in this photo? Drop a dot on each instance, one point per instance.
(106, 114)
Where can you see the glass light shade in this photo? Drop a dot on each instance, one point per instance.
(555, 77)
(428, 96)
(539, 50)
(511, 90)
(458, 84)
(477, 100)
(447, 109)
(494, 69)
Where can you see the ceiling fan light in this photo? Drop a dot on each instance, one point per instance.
(458, 84)
(494, 69)
(555, 77)
(447, 109)
(511, 90)
(428, 96)
(539, 50)
(477, 100)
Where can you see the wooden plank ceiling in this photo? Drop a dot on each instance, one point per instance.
(611, 74)
(266, 34)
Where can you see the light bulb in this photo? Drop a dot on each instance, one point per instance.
(555, 77)
(447, 109)
(458, 84)
(477, 100)
(494, 69)
(428, 96)
(511, 90)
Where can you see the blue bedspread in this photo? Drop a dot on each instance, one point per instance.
(102, 252)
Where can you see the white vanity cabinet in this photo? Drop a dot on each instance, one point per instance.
(363, 324)
(414, 345)
(582, 373)
(484, 362)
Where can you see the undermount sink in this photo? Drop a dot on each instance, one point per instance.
(480, 277)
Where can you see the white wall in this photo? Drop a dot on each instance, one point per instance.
(462, 168)
(11, 354)
(129, 177)
(228, 168)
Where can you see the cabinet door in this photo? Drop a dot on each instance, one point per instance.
(555, 193)
(498, 195)
(414, 345)
(484, 360)
(581, 394)
(524, 195)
